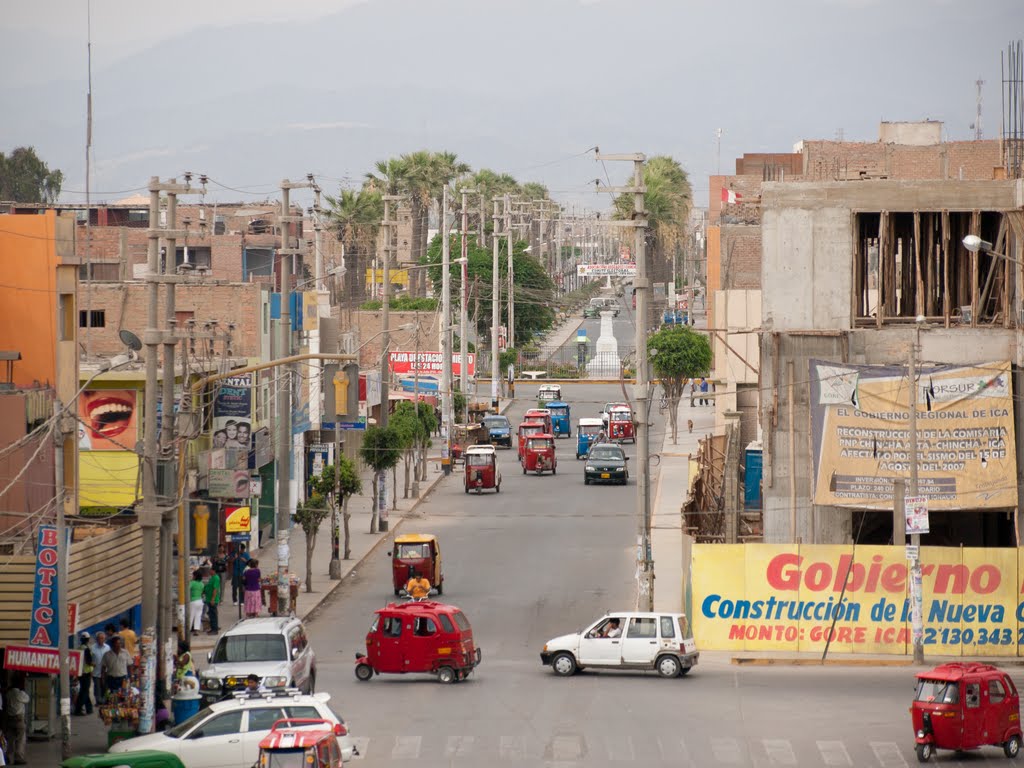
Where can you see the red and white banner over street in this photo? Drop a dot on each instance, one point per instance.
(606, 270)
(428, 363)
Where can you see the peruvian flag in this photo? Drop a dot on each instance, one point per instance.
(731, 196)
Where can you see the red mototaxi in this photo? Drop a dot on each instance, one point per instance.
(296, 742)
(526, 429)
(620, 424)
(424, 636)
(539, 414)
(539, 454)
(482, 469)
(961, 706)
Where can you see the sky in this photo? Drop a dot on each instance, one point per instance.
(252, 91)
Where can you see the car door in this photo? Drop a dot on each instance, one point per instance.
(640, 643)
(390, 657)
(598, 650)
(260, 721)
(973, 713)
(215, 743)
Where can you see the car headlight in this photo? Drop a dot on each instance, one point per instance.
(591, 468)
(210, 683)
(920, 734)
(275, 681)
(545, 648)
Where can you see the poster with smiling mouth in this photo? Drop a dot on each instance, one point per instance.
(108, 420)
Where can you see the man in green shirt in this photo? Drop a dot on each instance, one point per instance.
(211, 596)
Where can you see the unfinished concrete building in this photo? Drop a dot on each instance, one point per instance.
(856, 274)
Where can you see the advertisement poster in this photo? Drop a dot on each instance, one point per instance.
(107, 420)
(237, 520)
(429, 363)
(916, 511)
(232, 413)
(770, 597)
(860, 435)
(229, 483)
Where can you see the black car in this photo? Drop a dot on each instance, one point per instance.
(606, 463)
(498, 430)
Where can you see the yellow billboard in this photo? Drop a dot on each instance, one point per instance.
(767, 597)
(965, 437)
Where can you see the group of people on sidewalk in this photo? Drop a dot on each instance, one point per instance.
(207, 587)
(106, 661)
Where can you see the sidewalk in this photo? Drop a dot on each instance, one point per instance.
(674, 475)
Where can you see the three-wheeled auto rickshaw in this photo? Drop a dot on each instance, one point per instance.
(539, 414)
(963, 706)
(561, 418)
(526, 429)
(548, 393)
(482, 469)
(539, 454)
(620, 424)
(302, 742)
(463, 436)
(426, 637)
(418, 553)
(587, 432)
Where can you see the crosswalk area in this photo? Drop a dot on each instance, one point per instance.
(572, 749)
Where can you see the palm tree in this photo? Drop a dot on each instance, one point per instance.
(355, 217)
(667, 202)
(416, 182)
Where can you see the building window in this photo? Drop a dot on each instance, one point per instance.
(101, 272)
(94, 318)
(183, 317)
(257, 262)
(198, 258)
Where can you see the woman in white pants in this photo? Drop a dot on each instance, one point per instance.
(195, 602)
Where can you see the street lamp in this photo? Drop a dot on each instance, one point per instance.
(975, 244)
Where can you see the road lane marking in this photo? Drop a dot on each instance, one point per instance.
(674, 752)
(566, 747)
(779, 751)
(511, 748)
(620, 749)
(727, 751)
(407, 748)
(834, 753)
(888, 754)
(459, 746)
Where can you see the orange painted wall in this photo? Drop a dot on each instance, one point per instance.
(28, 309)
(714, 270)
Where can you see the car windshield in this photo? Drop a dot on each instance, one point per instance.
(606, 452)
(533, 430)
(937, 692)
(479, 459)
(540, 444)
(413, 551)
(250, 648)
(461, 620)
(590, 430)
(496, 423)
(620, 415)
(284, 758)
(558, 410)
(184, 727)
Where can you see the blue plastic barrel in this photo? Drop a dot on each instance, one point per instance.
(184, 705)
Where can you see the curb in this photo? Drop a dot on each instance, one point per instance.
(755, 661)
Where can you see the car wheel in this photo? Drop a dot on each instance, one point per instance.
(467, 488)
(586, 480)
(1012, 747)
(668, 666)
(440, 587)
(446, 675)
(554, 470)
(311, 686)
(524, 469)
(397, 592)
(564, 664)
(364, 672)
(924, 752)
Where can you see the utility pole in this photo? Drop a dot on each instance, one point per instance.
(916, 597)
(645, 563)
(510, 336)
(385, 367)
(446, 338)
(482, 236)
(464, 313)
(560, 282)
(495, 311)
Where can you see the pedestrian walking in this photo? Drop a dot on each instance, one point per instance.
(211, 597)
(704, 391)
(239, 559)
(693, 391)
(195, 601)
(253, 602)
(116, 662)
(129, 639)
(83, 704)
(97, 650)
(16, 710)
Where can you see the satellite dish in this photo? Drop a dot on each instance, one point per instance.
(130, 340)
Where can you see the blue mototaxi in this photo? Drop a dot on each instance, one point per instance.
(587, 432)
(561, 416)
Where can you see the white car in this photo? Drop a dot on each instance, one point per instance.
(275, 649)
(227, 734)
(626, 640)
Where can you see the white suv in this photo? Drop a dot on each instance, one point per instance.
(227, 734)
(274, 649)
(626, 640)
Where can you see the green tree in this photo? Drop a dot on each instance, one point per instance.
(676, 354)
(25, 178)
(667, 202)
(429, 421)
(310, 514)
(355, 218)
(406, 423)
(337, 484)
(381, 450)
